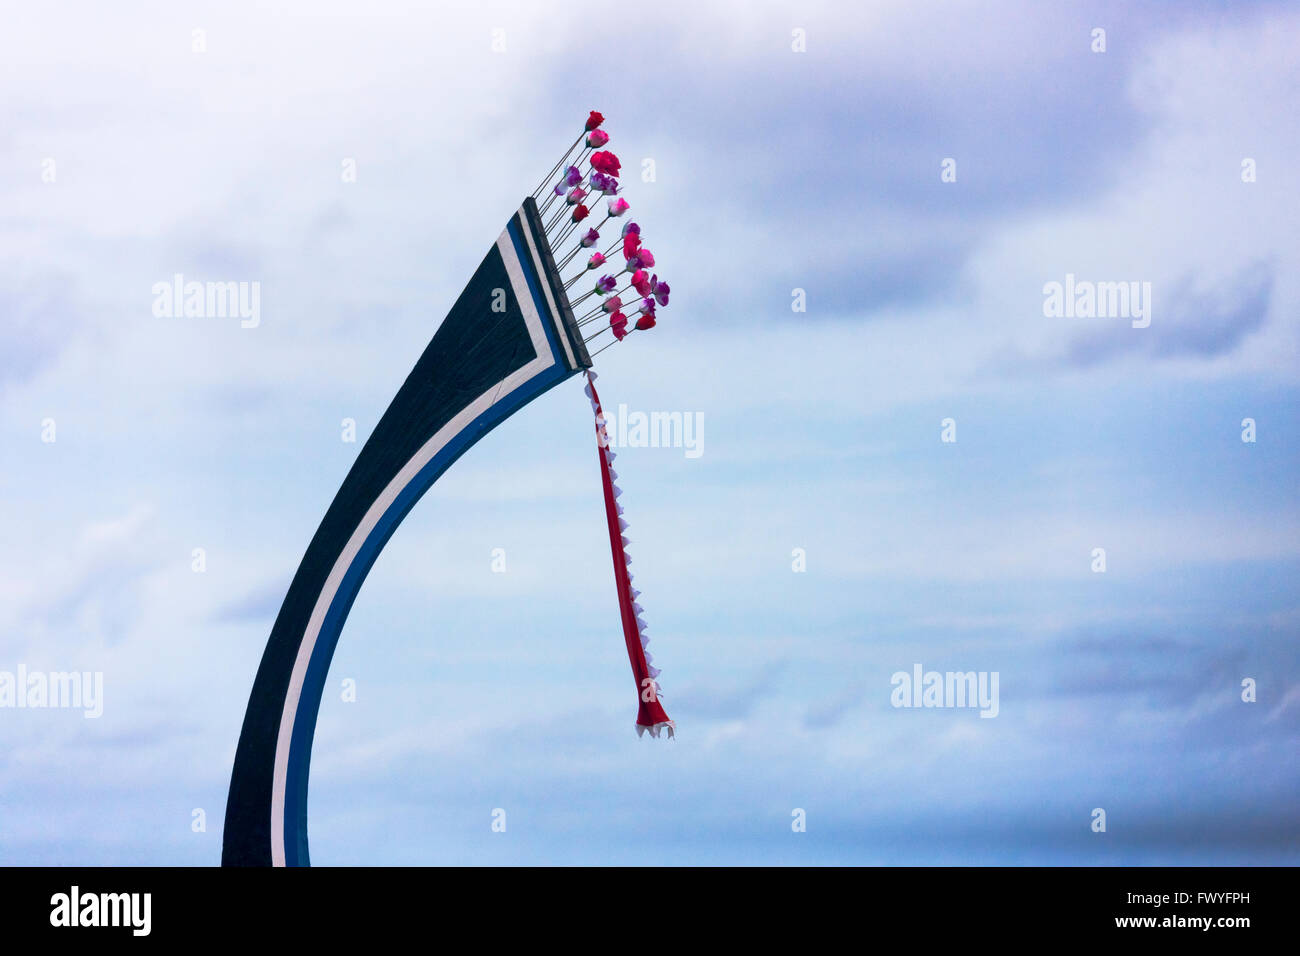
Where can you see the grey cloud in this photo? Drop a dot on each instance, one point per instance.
(828, 713)
(260, 604)
(727, 702)
(1197, 321)
(40, 321)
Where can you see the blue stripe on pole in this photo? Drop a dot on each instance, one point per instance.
(548, 320)
(304, 727)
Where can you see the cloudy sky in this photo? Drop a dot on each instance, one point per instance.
(128, 156)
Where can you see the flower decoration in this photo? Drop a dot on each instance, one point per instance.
(580, 188)
(605, 162)
(659, 290)
(640, 259)
(572, 177)
(607, 185)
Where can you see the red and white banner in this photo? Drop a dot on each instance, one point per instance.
(650, 715)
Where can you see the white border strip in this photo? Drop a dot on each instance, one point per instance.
(556, 318)
(543, 360)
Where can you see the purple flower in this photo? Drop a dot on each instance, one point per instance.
(630, 227)
(607, 185)
(572, 176)
(590, 238)
(659, 290)
(605, 285)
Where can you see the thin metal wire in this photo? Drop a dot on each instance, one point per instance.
(556, 168)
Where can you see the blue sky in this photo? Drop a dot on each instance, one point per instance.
(775, 171)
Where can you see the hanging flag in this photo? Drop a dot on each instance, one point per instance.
(650, 715)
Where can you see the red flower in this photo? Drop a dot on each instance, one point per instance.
(594, 120)
(580, 213)
(618, 322)
(605, 162)
(631, 243)
(645, 322)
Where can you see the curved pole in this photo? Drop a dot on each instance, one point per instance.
(509, 338)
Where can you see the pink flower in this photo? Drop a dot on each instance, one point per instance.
(642, 258)
(596, 261)
(631, 243)
(618, 206)
(612, 304)
(576, 195)
(641, 282)
(597, 138)
(618, 322)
